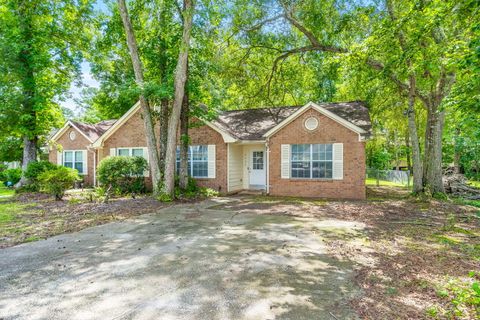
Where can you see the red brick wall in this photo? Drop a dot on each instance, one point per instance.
(132, 134)
(329, 131)
(206, 135)
(80, 143)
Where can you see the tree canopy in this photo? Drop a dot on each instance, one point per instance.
(415, 63)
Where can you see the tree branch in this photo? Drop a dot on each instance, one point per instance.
(281, 58)
(264, 22)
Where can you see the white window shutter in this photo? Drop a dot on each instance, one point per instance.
(85, 162)
(285, 161)
(338, 161)
(60, 158)
(113, 152)
(211, 161)
(145, 155)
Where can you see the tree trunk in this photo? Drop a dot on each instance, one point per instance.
(412, 132)
(179, 82)
(29, 155)
(395, 143)
(456, 153)
(146, 112)
(29, 89)
(164, 102)
(432, 171)
(164, 116)
(408, 151)
(184, 141)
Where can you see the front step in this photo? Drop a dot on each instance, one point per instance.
(252, 192)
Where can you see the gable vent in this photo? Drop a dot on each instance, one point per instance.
(311, 123)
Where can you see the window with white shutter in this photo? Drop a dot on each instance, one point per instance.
(211, 161)
(59, 158)
(338, 161)
(311, 161)
(285, 161)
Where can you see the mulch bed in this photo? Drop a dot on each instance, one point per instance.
(43, 217)
(403, 262)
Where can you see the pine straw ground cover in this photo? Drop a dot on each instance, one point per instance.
(34, 216)
(417, 259)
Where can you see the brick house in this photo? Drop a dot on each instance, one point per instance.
(315, 150)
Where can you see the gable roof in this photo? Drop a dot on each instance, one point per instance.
(90, 131)
(246, 124)
(136, 107)
(255, 124)
(94, 131)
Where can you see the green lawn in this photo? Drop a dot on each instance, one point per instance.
(475, 184)
(4, 191)
(373, 182)
(9, 211)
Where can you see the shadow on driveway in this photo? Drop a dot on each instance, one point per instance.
(192, 261)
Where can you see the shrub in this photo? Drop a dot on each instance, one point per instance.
(11, 176)
(58, 180)
(34, 170)
(209, 192)
(191, 191)
(122, 174)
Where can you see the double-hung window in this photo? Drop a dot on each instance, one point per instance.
(311, 161)
(75, 159)
(131, 152)
(197, 161)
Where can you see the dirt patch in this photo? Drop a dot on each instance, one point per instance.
(39, 217)
(419, 260)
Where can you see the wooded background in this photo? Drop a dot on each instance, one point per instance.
(416, 63)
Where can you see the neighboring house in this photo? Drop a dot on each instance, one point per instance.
(316, 150)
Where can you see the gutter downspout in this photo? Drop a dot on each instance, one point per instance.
(228, 168)
(267, 149)
(94, 167)
(94, 151)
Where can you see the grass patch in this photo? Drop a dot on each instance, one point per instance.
(373, 182)
(461, 201)
(32, 239)
(9, 211)
(474, 183)
(289, 200)
(4, 191)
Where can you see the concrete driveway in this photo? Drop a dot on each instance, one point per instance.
(189, 261)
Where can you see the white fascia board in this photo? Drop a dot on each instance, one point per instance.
(99, 142)
(65, 128)
(323, 111)
(227, 138)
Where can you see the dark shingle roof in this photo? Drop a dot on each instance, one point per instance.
(94, 131)
(252, 124)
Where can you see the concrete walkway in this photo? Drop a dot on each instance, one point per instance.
(184, 262)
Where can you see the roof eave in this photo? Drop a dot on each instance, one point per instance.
(323, 111)
(60, 132)
(99, 142)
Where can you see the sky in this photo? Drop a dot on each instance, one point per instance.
(87, 78)
(75, 90)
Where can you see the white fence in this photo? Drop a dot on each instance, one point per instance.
(389, 177)
(13, 165)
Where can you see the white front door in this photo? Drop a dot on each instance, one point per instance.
(257, 169)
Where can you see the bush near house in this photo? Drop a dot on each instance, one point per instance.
(122, 175)
(33, 172)
(11, 176)
(56, 181)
